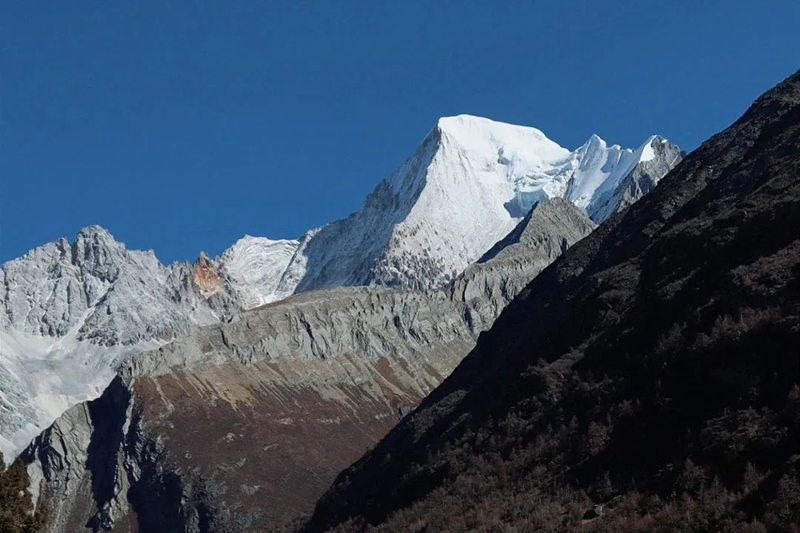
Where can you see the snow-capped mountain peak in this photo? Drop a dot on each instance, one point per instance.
(469, 183)
(481, 135)
(78, 306)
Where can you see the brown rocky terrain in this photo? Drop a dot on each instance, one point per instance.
(206, 277)
(242, 426)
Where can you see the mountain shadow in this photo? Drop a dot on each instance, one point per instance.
(647, 381)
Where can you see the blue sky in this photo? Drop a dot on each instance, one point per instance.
(181, 126)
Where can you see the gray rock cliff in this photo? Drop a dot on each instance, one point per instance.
(242, 425)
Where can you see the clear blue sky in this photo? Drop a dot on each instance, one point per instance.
(181, 126)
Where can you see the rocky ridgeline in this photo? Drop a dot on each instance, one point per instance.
(243, 424)
(69, 311)
(648, 381)
(95, 289)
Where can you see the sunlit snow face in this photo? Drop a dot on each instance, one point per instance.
(526, 167)
(467, 186)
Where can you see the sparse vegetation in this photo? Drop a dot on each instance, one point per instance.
(17, 514)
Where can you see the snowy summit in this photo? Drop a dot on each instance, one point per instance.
(69, 311)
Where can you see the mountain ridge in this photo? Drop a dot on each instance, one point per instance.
(273, 387)
(648, 380)
(470, 182)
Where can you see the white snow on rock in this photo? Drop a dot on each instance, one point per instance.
(101, 291)
(471, 181)
(254, 267)
(41, 377)
(647, 152)
(69, 311)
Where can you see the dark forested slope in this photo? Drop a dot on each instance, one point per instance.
(646, 381)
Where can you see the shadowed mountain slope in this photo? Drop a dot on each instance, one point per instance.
(646, 381)
(242, 426)
(70, 311)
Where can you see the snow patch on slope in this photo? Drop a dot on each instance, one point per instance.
(646, 150)
(41, 377)
(254, 267)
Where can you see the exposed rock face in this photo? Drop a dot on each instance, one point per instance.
(241, 426)
(87, 478)
(261, 412)
(206, 277)
(500, 275)
(661, 157)
(469, 183)
(98, 290)
(648, 380)
(70, 311)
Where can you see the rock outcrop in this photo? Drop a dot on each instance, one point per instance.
(95, 289)
(499, 276)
